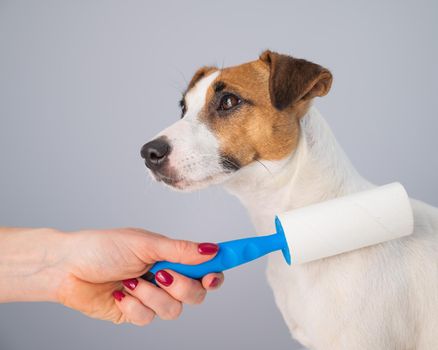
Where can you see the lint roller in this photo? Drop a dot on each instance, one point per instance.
(317, 231)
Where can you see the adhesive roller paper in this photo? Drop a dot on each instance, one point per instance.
(347, 223)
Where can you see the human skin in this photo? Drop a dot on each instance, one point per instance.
(95, 272)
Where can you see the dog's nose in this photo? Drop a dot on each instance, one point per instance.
(155, 153)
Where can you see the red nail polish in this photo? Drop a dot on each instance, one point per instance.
(164, 277)
(131, 283)
(118, 295)
(214, 283)
(207, 248)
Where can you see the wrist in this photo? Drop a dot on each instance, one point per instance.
(32, 264)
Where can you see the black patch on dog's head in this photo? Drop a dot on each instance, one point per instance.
(229, 163)
(219, 86)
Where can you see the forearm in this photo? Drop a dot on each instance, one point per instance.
(30, 264)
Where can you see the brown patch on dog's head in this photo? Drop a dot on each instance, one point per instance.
(273, 92)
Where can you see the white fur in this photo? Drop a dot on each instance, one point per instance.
(383, 297)
(195, 97)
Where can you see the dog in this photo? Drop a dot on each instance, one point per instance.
(253, 129)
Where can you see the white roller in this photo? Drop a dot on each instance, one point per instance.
(347, 223)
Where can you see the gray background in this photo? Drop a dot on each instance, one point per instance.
(83, 84)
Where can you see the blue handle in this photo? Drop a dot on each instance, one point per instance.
(230, 254)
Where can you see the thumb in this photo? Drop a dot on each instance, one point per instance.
(184, 252)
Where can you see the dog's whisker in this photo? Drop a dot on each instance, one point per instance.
(176, 85)
(264, 166)
(223, 63)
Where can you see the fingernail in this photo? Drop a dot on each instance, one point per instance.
(118, 295)
(164, 277)
(131, 283)
(207, 248)
(214, 283)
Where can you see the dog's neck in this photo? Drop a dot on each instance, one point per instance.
(317, 170)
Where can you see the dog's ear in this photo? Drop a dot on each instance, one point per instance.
(292, 79)
(199, 74)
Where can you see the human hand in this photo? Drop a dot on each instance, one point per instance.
(95, 273)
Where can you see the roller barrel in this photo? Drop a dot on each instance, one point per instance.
(347, 223)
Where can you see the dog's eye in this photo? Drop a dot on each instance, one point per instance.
(182, 104)
(228, 102)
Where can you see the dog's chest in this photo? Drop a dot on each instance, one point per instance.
(297, 295)
(292, 287)
(307, 295)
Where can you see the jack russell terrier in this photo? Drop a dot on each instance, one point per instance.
(252, 128)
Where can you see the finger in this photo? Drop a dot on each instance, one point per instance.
(184, 289)
(133, 310)
(180, 251)
(162, 303)
(212, 281)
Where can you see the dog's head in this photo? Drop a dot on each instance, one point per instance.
(233, 117)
